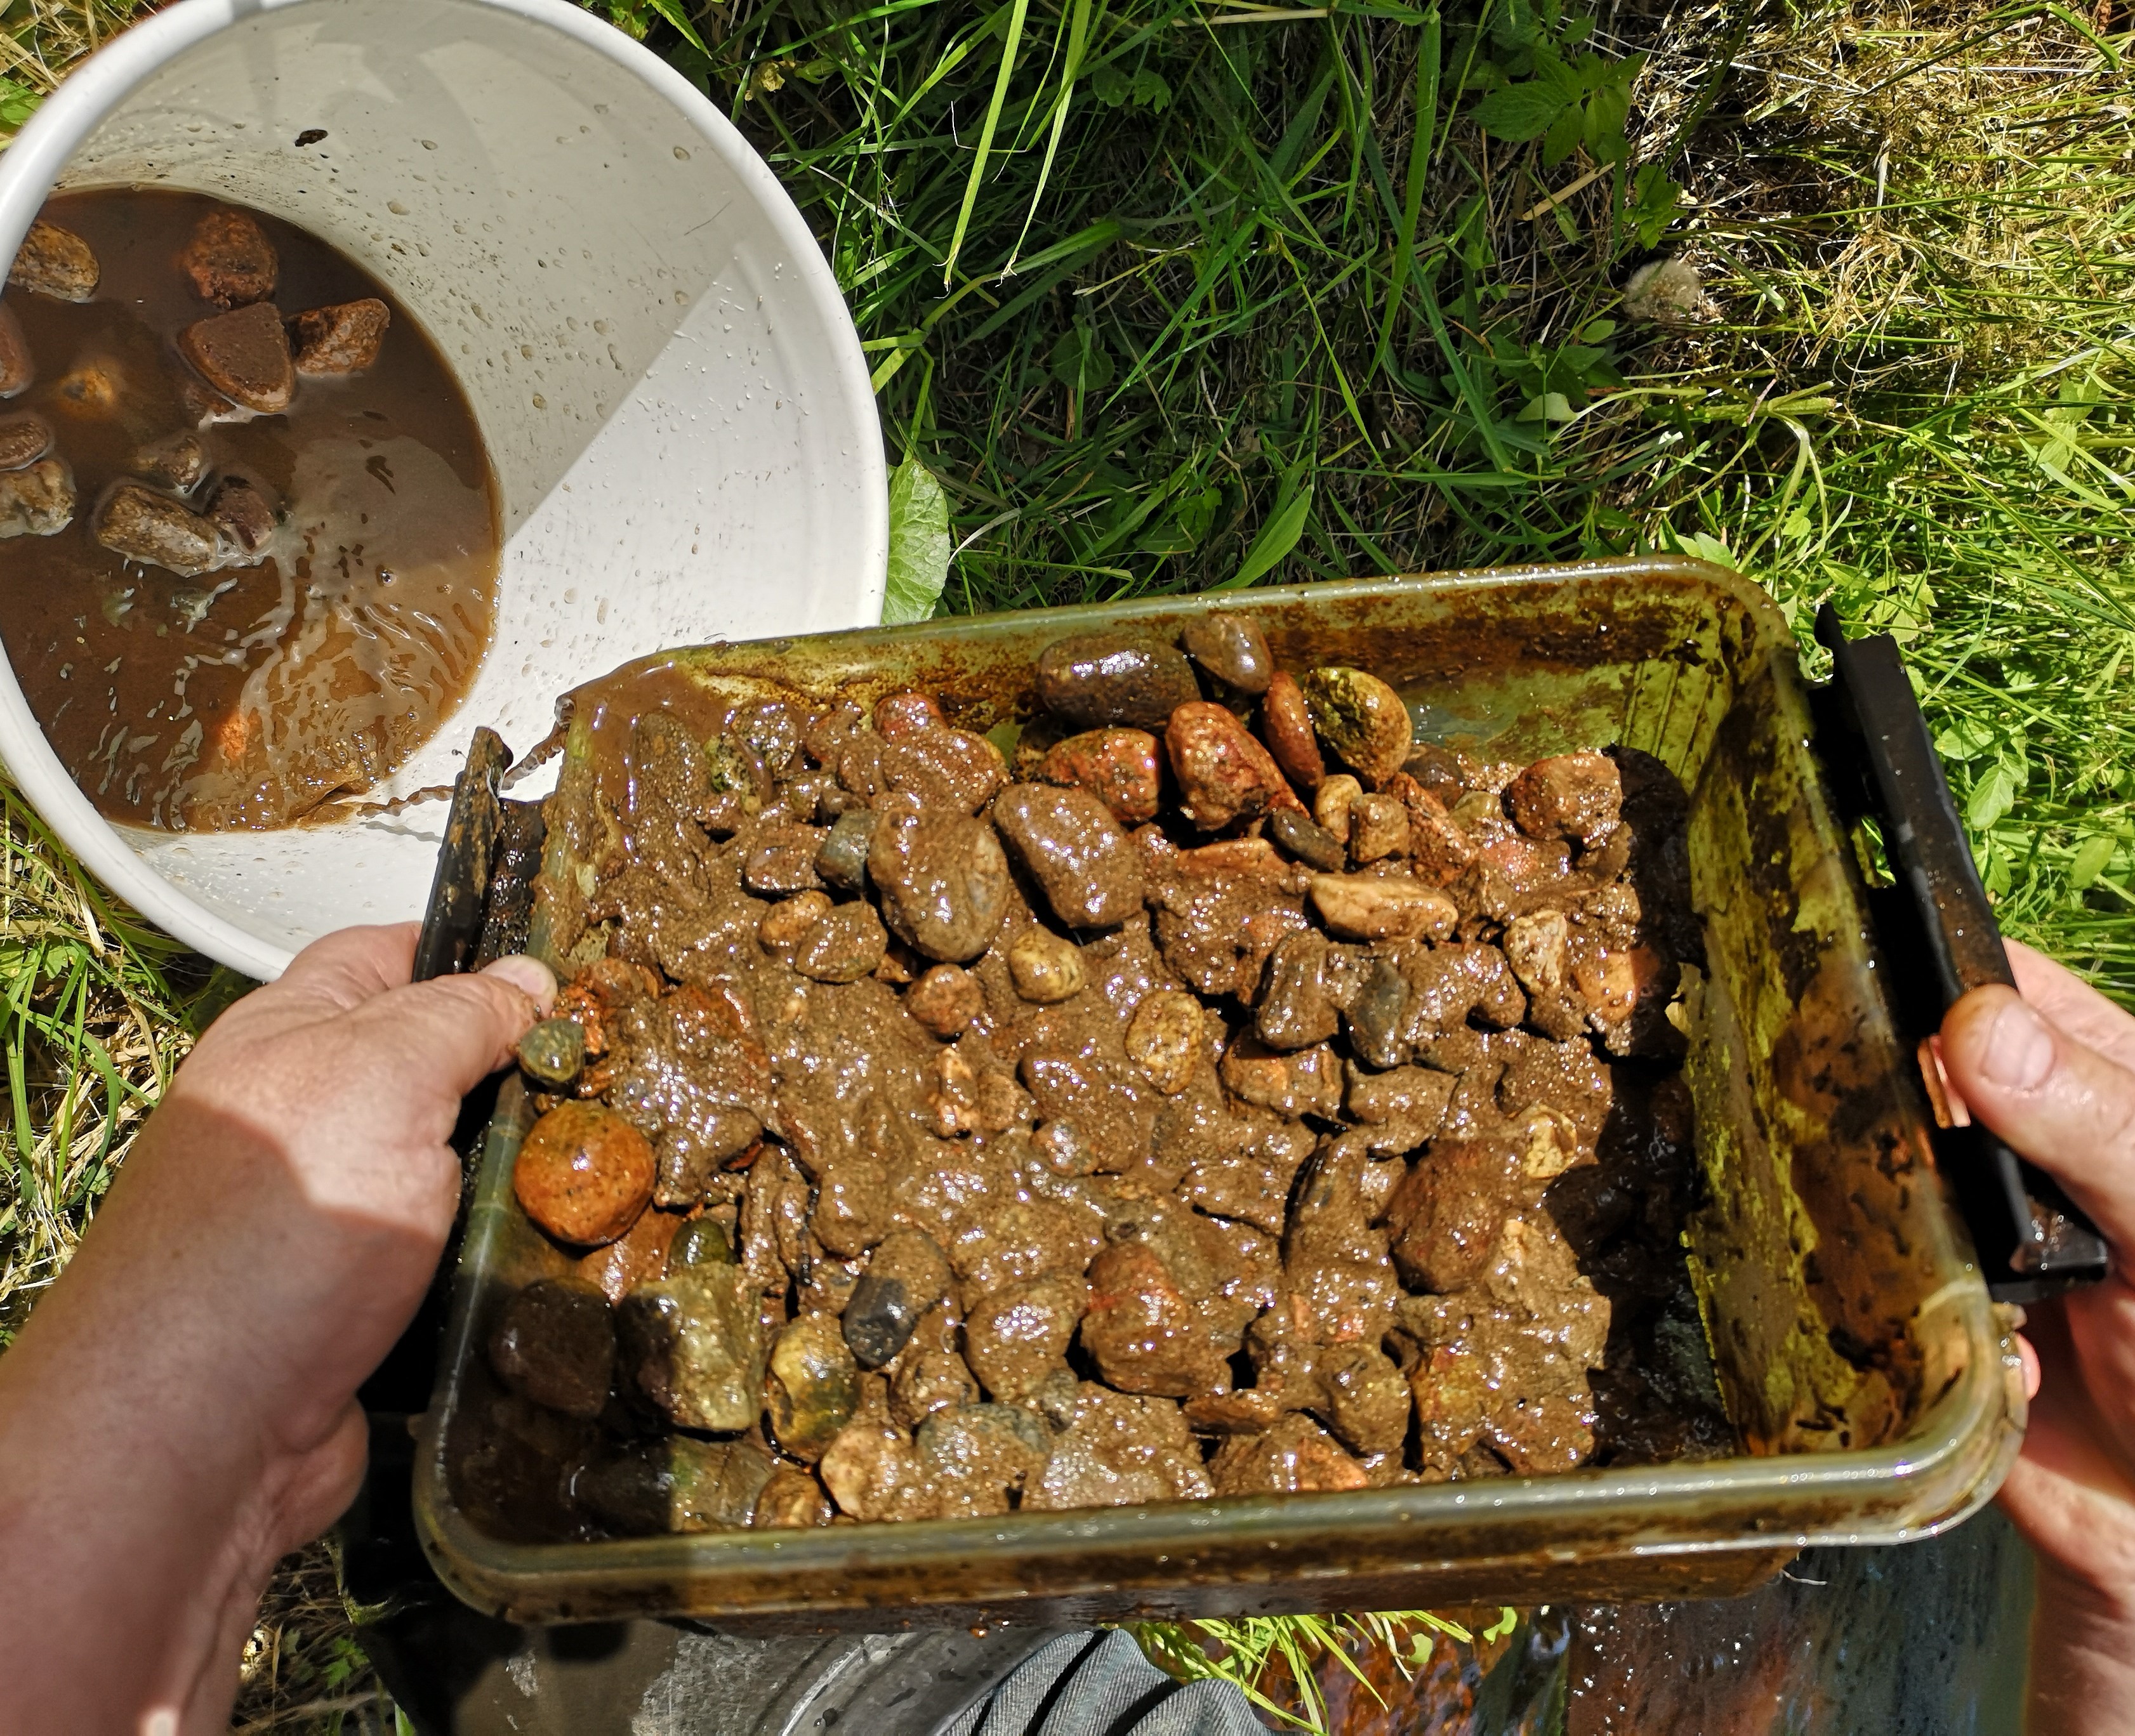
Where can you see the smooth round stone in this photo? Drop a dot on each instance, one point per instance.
(1232, 648)
(1312, 845)
(702, 1242)
(842, 860)
(1045, 968)
(1106, 680)
(1361, 718)
(554, 1342)
(583, 1173)
(553, 1052)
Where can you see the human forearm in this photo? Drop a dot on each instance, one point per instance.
(2083, 1662)
(179, 1412)
(2053, 1073)
(124, 1522)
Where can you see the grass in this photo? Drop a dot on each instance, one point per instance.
(94, 1022)
(1179, 294)
(1285, 1665)
(1171, 295)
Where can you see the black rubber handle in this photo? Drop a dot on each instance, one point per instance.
(488, 841)
(459, 892)
(1939, 934)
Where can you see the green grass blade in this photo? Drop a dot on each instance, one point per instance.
(1018, 11)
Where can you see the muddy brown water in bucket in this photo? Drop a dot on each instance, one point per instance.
(312, 586)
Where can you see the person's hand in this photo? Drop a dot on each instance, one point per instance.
(2052, 1071)
(270, 1236)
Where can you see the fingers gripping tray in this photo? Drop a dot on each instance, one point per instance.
(1869, 1381)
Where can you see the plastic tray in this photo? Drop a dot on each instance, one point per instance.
(1870, 1379)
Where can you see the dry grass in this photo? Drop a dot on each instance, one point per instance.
(302, 1669)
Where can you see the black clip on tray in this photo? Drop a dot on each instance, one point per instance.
(483, 893)
(480, 904)
(1938, 936)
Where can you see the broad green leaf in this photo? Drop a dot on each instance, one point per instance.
(1704, 547)
(1653, 201)
(1518, 113)
(1080, 361)
(919, 544)
(1277, 538)
(1562, 138)
(1547, 407)
(1966, 738)
(1149, 91)
(1995, 871)
(1513, 24)
(1993, 797)
(1552, 73)
(1606, 113)
(2091, 858)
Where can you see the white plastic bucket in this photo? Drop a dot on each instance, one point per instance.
(673, 395)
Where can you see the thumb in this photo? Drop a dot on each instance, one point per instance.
(2055, 1101)
(450, 1033)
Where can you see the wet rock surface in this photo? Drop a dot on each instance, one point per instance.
(1068, 842)
(176, 461)
(36, 500)
(1223, 774)
(982, 1457)
(55, 261)
(244, 517)
(1045, 967)
(1232, 648)
(1100, 680)
(244, 356)
(907, 1275)
(553, 1052)
(25, 437)
(18, 367)
(677, 1484)
(692, 1343)
(1286, 728)
(583, 1173)
(342, 338)
(1064, 1140)
(1361, 718)
(554, 1342)
(1121, 767)
(144, 524)
(230, 259)
(813, 1387)
(943, 880)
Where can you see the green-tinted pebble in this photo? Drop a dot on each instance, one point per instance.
(553, 1050)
